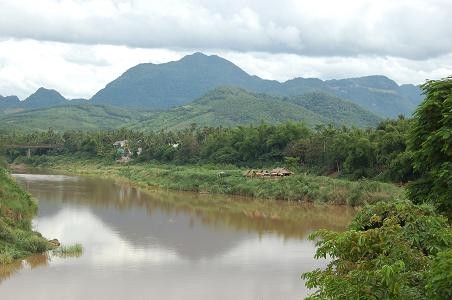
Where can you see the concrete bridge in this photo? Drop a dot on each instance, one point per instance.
(30, 146)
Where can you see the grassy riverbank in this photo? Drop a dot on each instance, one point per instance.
(17, 239)
(206, 179)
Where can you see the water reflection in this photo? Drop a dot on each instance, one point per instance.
(166, 245)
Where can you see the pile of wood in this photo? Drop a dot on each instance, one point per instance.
(278, 172)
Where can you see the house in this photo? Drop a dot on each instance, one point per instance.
(120, 144)
(278, 172)
(281, 172)
(123, 152)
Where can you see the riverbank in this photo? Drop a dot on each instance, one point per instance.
(228, 180)
(17, 208)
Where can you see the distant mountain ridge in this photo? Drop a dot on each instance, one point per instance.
(168, 85)
(41, 98)
(161, 86)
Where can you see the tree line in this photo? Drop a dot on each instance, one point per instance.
(349, 152)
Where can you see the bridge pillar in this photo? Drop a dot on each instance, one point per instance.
(29, 153)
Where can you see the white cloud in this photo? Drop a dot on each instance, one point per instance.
(412, 29)
(74, 70)
(78, 46)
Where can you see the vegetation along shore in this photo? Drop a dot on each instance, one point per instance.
(230, 180)
(17, 208)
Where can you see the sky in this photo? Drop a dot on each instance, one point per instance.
(78, 46)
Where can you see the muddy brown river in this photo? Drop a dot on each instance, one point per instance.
(140, 245)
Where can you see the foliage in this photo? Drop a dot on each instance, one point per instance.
(431, 146)
(439, 277)
(347, 152)
(16, 210)
(75, 250)
(386, 254)
(206, 179)
(400, 250)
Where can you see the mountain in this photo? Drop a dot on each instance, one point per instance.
(161, 86)
(43, 98)
(224, 106)
(9, 102)
(336, 110)
(230, 106)
(71, 117)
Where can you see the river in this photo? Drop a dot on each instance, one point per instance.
(138, 245)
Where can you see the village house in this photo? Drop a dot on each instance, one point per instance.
(277, 172)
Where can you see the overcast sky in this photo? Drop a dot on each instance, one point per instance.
(78, 46)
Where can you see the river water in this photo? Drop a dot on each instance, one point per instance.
(141, 245)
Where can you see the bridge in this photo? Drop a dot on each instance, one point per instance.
(30, 146)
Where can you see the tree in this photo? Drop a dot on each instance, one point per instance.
(431, 146)
(386, 254)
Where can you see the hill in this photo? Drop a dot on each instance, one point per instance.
(71, 117)
(161, 86)
(336, 110)
(8, 103)
(43, 98)
(224, 106)
(228, 106)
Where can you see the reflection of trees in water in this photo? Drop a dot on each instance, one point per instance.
(34, 261)
(289, 219)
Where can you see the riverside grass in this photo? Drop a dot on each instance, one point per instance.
(75, 250)
(17, 240)
(206, 179)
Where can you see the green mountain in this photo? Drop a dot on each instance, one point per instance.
(71, 117)
(43, 98)
(224, 106)
(161, 86)
(8, 102)
(227, 107)
(336, 110)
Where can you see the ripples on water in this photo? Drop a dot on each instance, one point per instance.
(161, 245)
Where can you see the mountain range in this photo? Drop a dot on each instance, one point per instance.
(224, 106)
(212, 91)
(161, 86)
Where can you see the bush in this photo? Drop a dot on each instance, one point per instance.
(386, 254)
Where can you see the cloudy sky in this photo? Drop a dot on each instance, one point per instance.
(78, 46)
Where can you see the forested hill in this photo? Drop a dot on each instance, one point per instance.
(71, 117)
(336, 110)
(41, 98)
(228, 106)
(224, 106)
(160, 86)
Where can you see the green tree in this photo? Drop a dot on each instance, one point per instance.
(385, 254)
(431, 146)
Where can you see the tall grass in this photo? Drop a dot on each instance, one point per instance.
(206, 179)
(75, 250)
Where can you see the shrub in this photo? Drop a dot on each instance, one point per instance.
(386, 254)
